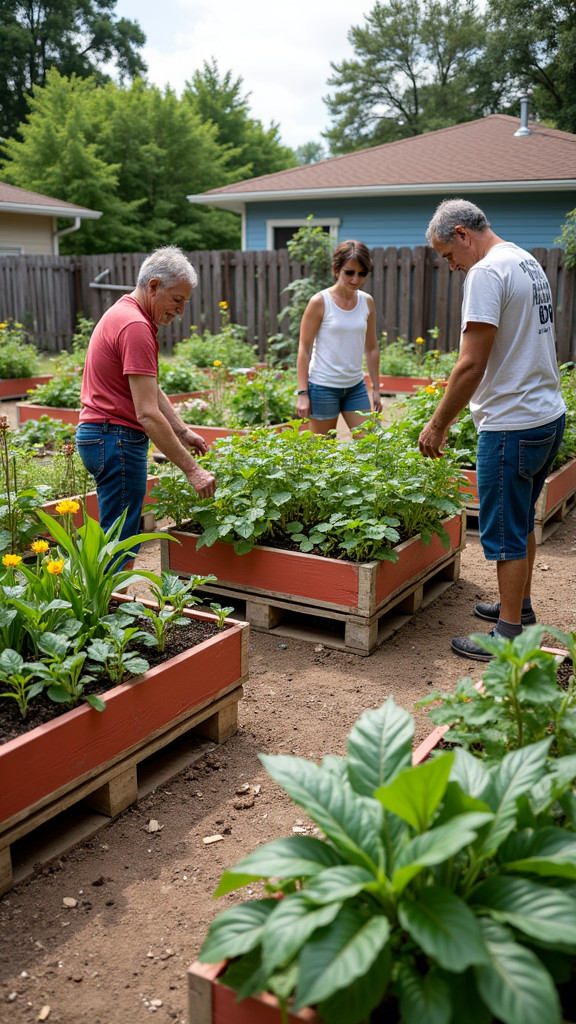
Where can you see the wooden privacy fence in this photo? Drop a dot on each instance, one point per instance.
(414, 292)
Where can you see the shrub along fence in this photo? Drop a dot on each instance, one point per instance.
(414, 291)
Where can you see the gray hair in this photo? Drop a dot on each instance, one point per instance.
(450, 214)
(170, 266)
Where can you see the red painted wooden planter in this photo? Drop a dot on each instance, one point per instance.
(56, 764)
(398, 385)
(212, 1002)
(555, 498)
(18, 387)
(90, 500)
(359, 587)
(184, 396)
(29, 411)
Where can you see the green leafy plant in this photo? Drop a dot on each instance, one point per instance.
(299, 489)
(111, 652)
(18, 357)
(312, 247)
(18, 681)
(220, 612)
(62, 672)
(518, 702)
(18, 504)
(228, 346)
(440, 892)
(62, 391)
(42, 435)
(177, 376)
(402, 358)
(172, 595)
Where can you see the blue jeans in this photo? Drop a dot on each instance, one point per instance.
(512, 466)
(117, 458)
(327, 402)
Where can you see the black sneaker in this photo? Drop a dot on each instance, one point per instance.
(466, 648)
(492, 613)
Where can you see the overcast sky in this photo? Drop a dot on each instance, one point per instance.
(282, 51)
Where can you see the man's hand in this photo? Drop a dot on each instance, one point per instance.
(203, 482)
(190, 439)
(431, 442)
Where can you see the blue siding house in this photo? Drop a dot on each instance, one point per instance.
(522, 174)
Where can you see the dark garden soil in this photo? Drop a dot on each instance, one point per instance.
(105, 934)
(42, 709)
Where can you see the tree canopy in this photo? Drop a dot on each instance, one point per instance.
(135, 154)
(76, 37)
(420, 65)
(252, 149)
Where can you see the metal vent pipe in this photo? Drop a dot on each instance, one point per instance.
(523, 129)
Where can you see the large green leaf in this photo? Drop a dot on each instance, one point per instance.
(355, 1003)
(236, 930)
(444, 927)
(470, 774)
(379, 746)
(437, 845)
(423, 997)
(352, 822)
(560, 776)
(547, 851)
(339, 954)
(511, 779)
(415, 793)
(537, 910)
(339, 883)
(293, 857)
(515, 985)
(292, 924)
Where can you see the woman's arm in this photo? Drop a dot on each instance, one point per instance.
(309, 328)
(372, 353)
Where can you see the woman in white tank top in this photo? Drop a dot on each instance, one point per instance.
(338, 328)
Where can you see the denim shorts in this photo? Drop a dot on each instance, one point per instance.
(327, 402)
(512, 466)
(117, 458)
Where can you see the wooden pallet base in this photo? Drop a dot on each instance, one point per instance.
(80, 812)
(543, 527)
(342, 631)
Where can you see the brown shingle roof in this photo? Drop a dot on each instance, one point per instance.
(480, 151)
(14, 198)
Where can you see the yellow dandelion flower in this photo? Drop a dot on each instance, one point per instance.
(217, 362)
(430, 389)
(55, 566)
(420, 341)
(66, 506)
(11, 560)
(3, 326)
(39, 547)
(223, 305)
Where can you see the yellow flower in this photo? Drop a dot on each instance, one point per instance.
(55, 566)
(430, 389)
(17, 325)
(63, 507)
(2, 326)
(223, 305)
(39, 546)
(11, 560)
(420, 341)
(217, 362)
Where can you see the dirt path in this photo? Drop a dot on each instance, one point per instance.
(144, 900)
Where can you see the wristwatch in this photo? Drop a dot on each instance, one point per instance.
(304, 391)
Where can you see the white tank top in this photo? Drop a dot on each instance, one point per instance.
(339, 344)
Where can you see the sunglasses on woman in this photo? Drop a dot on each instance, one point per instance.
(361, 273)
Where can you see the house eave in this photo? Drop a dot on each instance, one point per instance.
(49, 211)
(235, 200)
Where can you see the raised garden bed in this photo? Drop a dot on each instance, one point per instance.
(31, 411)
(86, 754)
(557, 498)
(212, 1002)
(390, 385)
(90, 501)
(359, 596)
(18, 387)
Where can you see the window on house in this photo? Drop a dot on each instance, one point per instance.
(279, 232)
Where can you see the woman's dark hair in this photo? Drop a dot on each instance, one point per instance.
(351, 250)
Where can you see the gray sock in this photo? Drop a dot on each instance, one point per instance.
(508, 629)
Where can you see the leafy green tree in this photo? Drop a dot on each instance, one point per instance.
(534, 47)
(135, 154)
(310, 153)
(252, 149)
(413, 72)
(74, 36)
